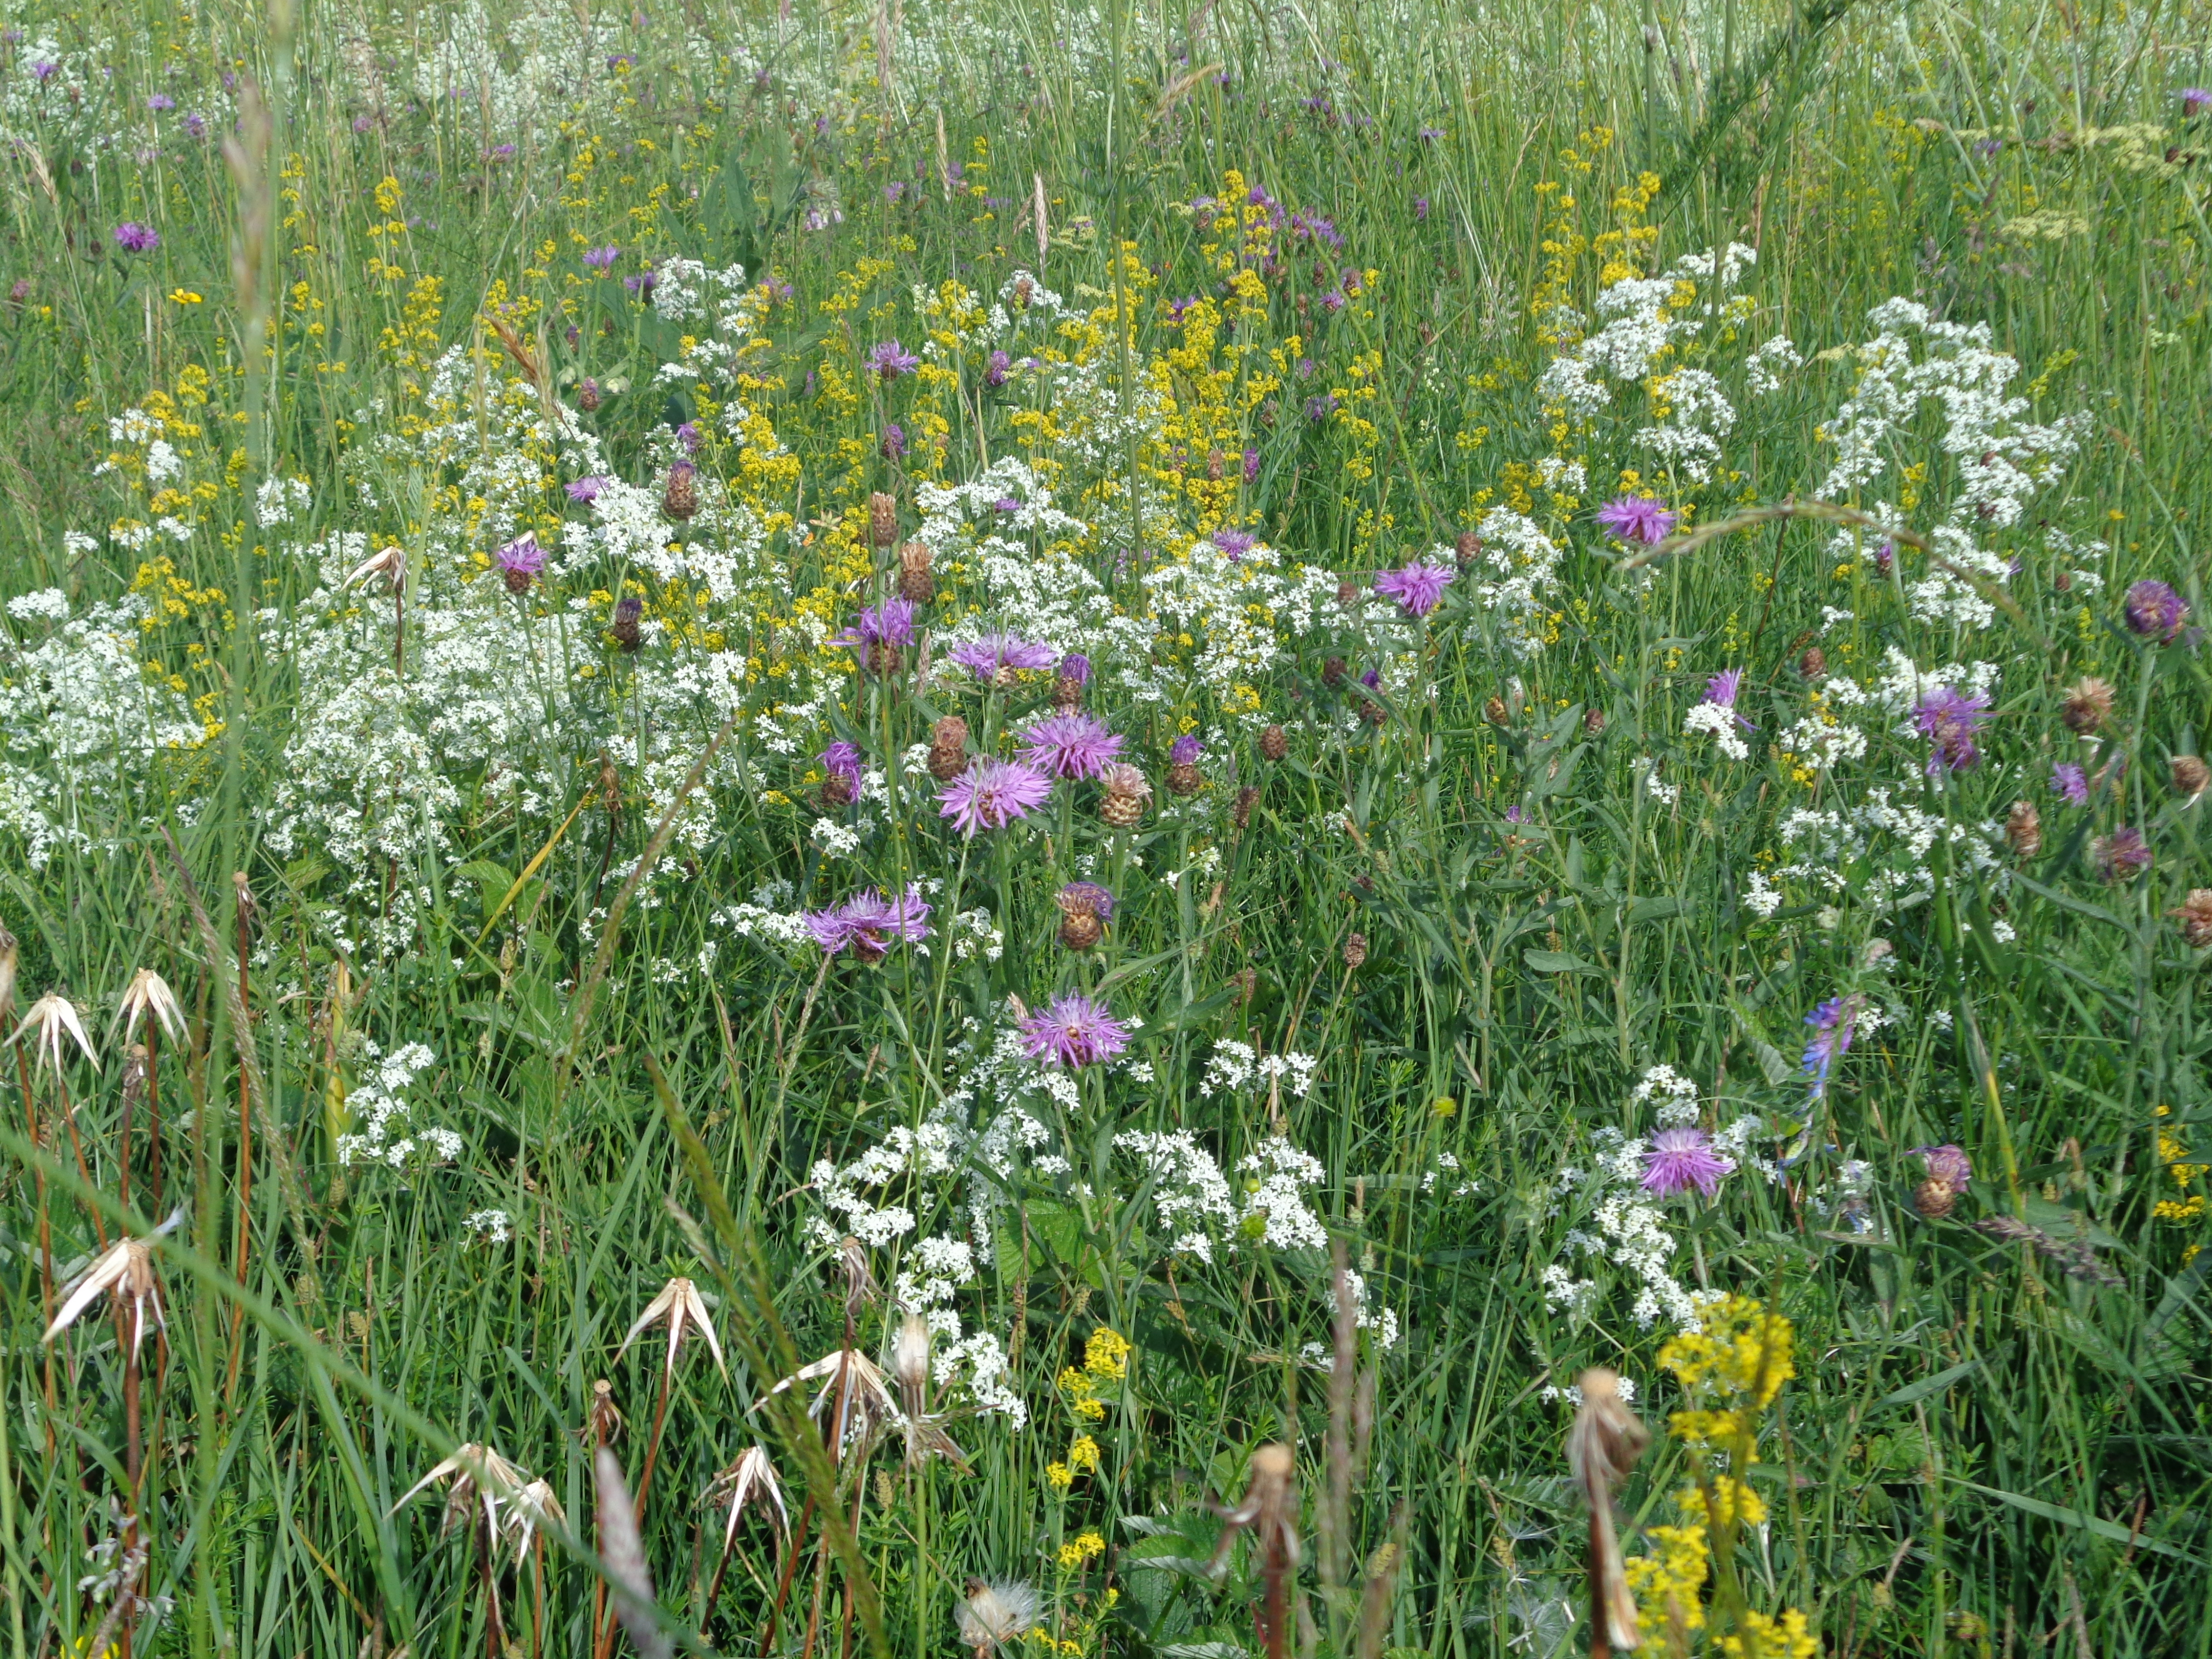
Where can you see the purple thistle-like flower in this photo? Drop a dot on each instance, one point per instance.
(1320, 406)
(2121, 856)
(1679, 1159)
(1834, 1024)
(1721, 690)
(842, 760)
(1417, 587)
(1006, 504)
(1637, 519)
(1070, 746)
(1949, 719)
(1421, 209)
(891, 623)
(134, 238)
(687, 436)
(891, 360)
(603, 259)
(868, 923)
(1091, 893)
(1234, 544)
(1251, 465)
(589, 488)
(1185, 750)
(2152, 609)
(196, 124)
(160, 101)
(894, 443)
(522, 555)
(987, 657)
(2070, 783)
(1885, 557)
(1073, 1030)
(991, 793)
(1946, 1163)
(2194, 101)
(994, 375)
(641, 284)
(1075, 666)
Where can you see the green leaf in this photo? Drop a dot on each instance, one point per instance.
(1913, 1392)
(2097, 1524)
(1556, 961)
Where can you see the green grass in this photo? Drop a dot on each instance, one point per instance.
(1988, 1446)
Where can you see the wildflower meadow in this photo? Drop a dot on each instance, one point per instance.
(1355, 828)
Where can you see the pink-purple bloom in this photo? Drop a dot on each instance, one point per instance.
(134, 238)
(891, 623)
(2194, 101)
(1070, 746)
(1679, 1159)
(1946, 1163)
(1077, 667)
(894, 443)
(1235, 544)
(991, 793)
(2121, 856)
(842, 760)
(994, 373)
(986, 657)
(522, 555)
(2070, 783)
(603, 259)
(1722, 689)
(1949, 719)
(1073, 1030)
(1100, 902)
(1637, 519)
(1185, 750)
(2154, 609)
(868, 923)
(1417, 587)
(589, 488)
(1834, 1024)
(891, 360)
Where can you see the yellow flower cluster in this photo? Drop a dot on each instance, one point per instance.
(1105, 1359)
(2173, 1153)
(1080, 1548)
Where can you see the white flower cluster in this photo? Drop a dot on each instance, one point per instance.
(492, 1226)
(1234, 1066)
(386, 1133)
(1382, 1323)
(1718, 721)
(1676, 1094)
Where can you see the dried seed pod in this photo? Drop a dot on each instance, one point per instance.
(836, 791)
(1024, 288)
(1066, 693)
(1334, 672)
(625, 628)
(2195, 915)
(1274, 743)
(1494, 711)
(2063, 581)
(917, 585)
(1213, 466)
(680, 499)
(883, 520)
(1467, 549)
(1813, 664)
(587, 396)
(2088, 705)
(2024, 830)
(1593, 719)
(1935, 1199)
(1347, 594)
(1127, 794)
(2191, 775)
(1185, 779)
(948, 749)
(1080, 929)
(1373, 712)
(1355, 950)
(1241, 813)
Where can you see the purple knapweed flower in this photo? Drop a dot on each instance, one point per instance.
(589, 488)
(1679, 1159)
(2194, 101)
(842, 760)
(641, 284)
(160, 101)
(687, 436)
(991, 793)
(1235, 544)
(1722, 690)
(1075, 666)
(1078, 894)
(1417, 587)
(2070, 783)
(994, 374)
(196, 124)
(1070, 746)
(894, 443)
(1185, 750)
(522, 555)
(891, 623)
(1834, 1024)
(868, 923)
(995, 654)
(1637, 519)
(1949, 719)
(2121, 856)
(1320, 406)
(2152, 609)
(134, 238)
(1251, 465)
(1946, 1163)
(891, 360)
(1071, 1032)
(1421, 209)
(603, 259)
(1006, 504)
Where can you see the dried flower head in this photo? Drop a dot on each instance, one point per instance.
(1126, 795)
(2024, 830)
(2191, 775)
(478, 1481)
(2195, 915)
(2155, 611)
(125, 1270)
(883, 520)
(2121, 856)
(51, 1023)
(1334, 671)
(1274, 743)
(1935, 1199)
(1355, 950)
(627, 627)
(2088, 705)
(917, 585)
(748, 1483)
(680, 1304)
(1602, 1447)
(147, 993)
(1813, 664)
(995, 1614)
(679, 497)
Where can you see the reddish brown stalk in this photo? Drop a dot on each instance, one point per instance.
(153, 1113)
(652, 1445)
(798, 1536)
(76, 1146)
(245, 1094)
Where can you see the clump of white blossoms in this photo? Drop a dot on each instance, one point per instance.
(385, 1131)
